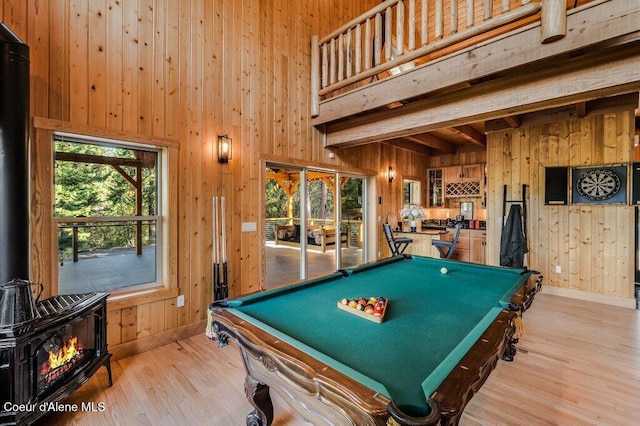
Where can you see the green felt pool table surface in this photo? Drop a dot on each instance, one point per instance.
(432, 320)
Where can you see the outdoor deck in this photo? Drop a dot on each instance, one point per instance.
(107, 270)
(114, 269)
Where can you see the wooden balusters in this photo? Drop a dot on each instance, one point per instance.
(488, 9)
(358, 49)
(554, 20)
(424, 24)
(399, 28)
(471, 8)
(325, 65)
(377, 56)
(353, 53)
(332, 62)
(439, 24)
(412, 24)
(367, 44)
(387, 34)
(315, 78)
(454, 17)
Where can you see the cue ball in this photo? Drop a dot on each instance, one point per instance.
(443, 270)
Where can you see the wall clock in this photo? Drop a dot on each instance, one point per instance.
(596, 185)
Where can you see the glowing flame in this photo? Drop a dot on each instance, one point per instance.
(65, 354)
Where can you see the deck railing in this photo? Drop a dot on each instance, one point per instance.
(393, 35)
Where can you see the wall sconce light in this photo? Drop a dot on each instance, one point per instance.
(224, 148)
(391, 174)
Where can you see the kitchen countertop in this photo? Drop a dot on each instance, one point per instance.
(424, 232)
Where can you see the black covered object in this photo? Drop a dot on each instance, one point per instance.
(513, 243)
(14, 161)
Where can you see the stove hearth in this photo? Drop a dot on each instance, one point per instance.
(44, 360)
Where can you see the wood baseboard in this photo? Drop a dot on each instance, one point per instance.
(143, 344)
(591, 297)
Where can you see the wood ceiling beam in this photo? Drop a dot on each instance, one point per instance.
(592, 76)
(513, 121)
(471, 134)
(596, 24)
(410, 146)
(600, 106)
(146, 162)
(581, 109)
(432, 142)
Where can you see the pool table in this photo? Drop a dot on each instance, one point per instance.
(443, 333)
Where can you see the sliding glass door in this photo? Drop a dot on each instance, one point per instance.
(314, 223)
(282, 224)
(352, 220)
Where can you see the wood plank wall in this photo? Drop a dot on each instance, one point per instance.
(592, 244)
(185, 71)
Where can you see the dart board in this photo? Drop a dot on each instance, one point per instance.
(598, 184)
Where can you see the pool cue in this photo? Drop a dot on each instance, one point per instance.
(214, 257)
(225, 273)
(216, 252)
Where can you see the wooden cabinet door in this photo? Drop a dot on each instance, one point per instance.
(472, 172)
(453, 174)
(477, 247)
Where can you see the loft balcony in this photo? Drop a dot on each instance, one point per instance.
(434, 75)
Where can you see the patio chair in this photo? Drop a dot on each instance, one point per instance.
(449, 246)
(397, 244)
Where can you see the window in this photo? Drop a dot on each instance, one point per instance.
(107, 210)
(411, 191)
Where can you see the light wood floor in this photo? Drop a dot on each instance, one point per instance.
(578, 364)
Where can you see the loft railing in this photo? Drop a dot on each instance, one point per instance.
(394, 35)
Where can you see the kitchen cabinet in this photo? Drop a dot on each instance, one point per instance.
(471, 246)
(467, 172)
(477, 246)
(464, 181)
(435, 188)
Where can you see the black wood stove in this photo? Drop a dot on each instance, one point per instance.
(44, 360)
(50, 348)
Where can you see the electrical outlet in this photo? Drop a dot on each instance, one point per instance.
(249, 226)
(180, 301)
(558, 269)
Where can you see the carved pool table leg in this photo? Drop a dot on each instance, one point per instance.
(510, 350)
(258, 395)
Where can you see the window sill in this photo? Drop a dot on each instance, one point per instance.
(127, 299)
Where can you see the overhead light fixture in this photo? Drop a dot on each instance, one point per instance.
(224, 148)
(391, 174)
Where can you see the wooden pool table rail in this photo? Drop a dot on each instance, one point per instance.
(323, 395)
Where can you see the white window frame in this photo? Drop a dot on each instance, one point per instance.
(158, 218)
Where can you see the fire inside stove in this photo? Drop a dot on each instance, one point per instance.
(64, 352)
(62, 359)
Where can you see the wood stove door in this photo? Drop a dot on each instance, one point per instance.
(64, 351)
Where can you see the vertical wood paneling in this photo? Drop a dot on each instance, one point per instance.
(186, 70)
(129, 324)
(78, 61)
(130, 66)
(143, 320)
(39, 33)
(592, 244)
(157, 317)
(57, 82)
(196, 303)
(113, 51)
(97, 63)
(145, 72)
(114, 325)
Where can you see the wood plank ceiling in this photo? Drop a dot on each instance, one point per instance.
(471, 137)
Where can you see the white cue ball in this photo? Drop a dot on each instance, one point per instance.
(443, 270)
